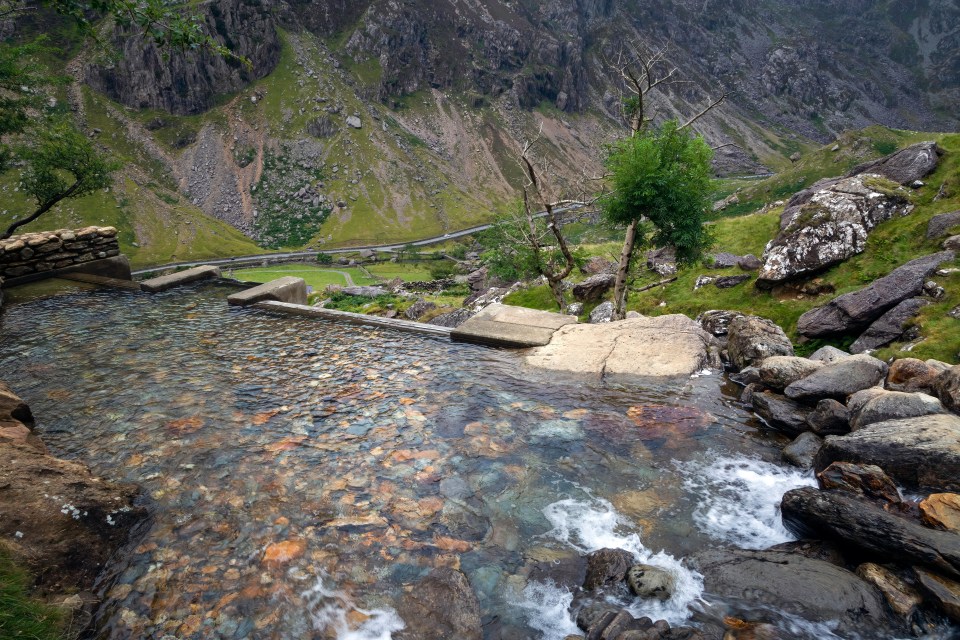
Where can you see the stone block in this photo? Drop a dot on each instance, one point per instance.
(169, 281)
(286, 289)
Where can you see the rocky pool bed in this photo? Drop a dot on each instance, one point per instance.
(315, 479)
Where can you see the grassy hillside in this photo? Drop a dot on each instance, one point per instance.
(890, 245)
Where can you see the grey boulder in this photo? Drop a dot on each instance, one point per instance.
(751, 340)
(781, 413)
(779, 372)
(919, 452)
(941, 224)
(828, 354)
(602, 313)
(648, 581)
(890, 326)
(830, 418)
(802, 451)
(594, 287)
(856, 310)
(839, 379)
(891, 405)
(947, 388)
(908, 165)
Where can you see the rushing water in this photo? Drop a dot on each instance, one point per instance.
(299, 472)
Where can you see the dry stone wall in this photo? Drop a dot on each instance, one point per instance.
(34, 253)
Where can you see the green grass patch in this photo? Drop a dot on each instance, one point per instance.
(406, 271)
(317, 277)
(22, 616)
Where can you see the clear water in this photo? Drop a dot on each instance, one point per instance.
(299, 472)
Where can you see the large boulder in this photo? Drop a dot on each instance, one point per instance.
(881, 406)
(908, 165)
(751, 340)
(890, 326)
(606, 568)
(802, 451)
(602, 313)
(594, 287)
(902, 598)
(839, 379)
(441, 606)
(830, 418)
(794, 583)
(781, 413)
(867, 480)
(910, 374)
(717, 322)
(832, 226)
(941, 511)
(779, 372)
(947, 388)
(918, 452)
(811, 512)
(941, 224)
(856, 310)
(943, 591)
(828, 354)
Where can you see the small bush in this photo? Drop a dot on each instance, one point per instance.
(324, 258)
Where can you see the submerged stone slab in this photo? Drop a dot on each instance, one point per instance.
(665, 346)
(171, 280)
(286, 289)
(501, 325)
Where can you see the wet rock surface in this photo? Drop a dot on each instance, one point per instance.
(869, 527)
(866, 480)
(607, 567)
(441, 606)
(793, 583)
(829, 418)
(802, 451)
(901, 597)
(781, 413)
(918, 452)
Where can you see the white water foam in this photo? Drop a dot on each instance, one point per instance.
(739, 499)
(329, 609)
(589, 525)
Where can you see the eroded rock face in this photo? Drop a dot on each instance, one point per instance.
(751, 340)
(855, 311)
(793, 583)
(442, 605)
(865, 480)
(941, 511)
(943, 591)
(917, 452)
(189, 82)
(832, 226)
(902, 598)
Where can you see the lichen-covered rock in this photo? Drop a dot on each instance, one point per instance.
(832, 226)
(751, 340)
(647, 581)
(828, 354)
(602, 313)
(856, 310)
(717, 322)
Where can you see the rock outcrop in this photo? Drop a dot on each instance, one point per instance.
(793, 583)
(594, 287)
(906, 166)
(889, 327)
(853, 312)
(939, 225)
(830, 227)
(189, 82)
(917, 452)
(839, 379)
(751, 340)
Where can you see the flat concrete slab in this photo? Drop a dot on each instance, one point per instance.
(178, 278)
(500, 325)
(286, 289)
(102, 281)
(662, 347)
(355, 318)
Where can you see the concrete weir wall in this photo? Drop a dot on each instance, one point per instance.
(37, 253)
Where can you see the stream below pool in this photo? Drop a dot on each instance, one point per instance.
(299, 473)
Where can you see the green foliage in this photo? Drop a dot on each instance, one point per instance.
(20, 615)
(324, 258)
(662, 175)
(884, 147)
(443, 269)
(22, 83)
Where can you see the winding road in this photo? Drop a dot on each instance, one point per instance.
(240, 261)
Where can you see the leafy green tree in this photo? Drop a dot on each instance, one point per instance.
(324, 258)
(662, 175)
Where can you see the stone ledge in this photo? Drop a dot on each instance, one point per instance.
(286, 289)
(354, 318)
(500, 325)
(171, 280)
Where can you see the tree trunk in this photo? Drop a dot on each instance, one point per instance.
(556, 288)
(620, 285)
(46, 206)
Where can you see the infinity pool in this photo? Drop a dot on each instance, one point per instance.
(299, 473)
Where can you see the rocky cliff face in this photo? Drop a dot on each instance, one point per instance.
(189, 83)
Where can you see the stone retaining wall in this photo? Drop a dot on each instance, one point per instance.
(35, 253)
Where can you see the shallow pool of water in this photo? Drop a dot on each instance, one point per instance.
(299, 473)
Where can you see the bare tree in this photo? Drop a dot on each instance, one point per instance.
(643, 70)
